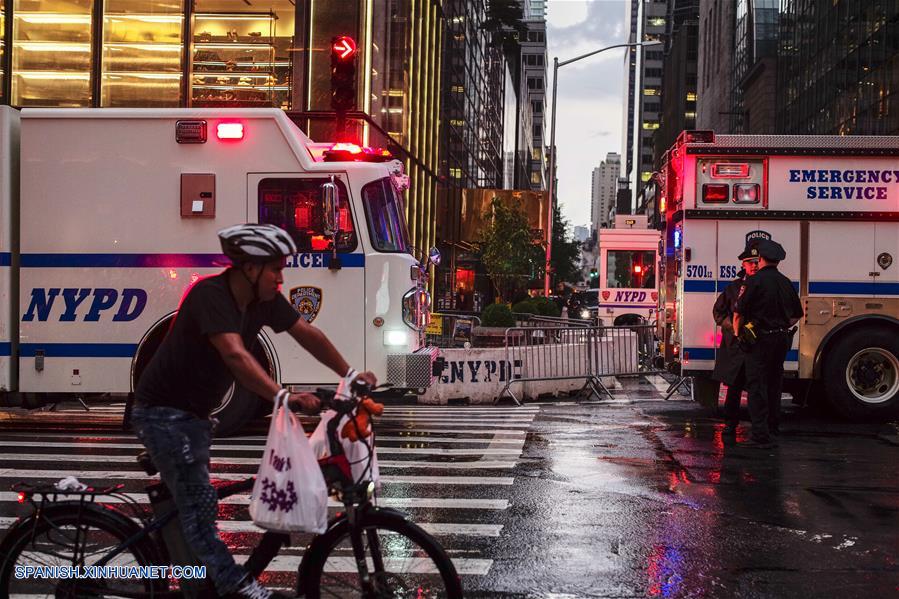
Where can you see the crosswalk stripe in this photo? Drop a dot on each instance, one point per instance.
(387, 478)
(405, 464)
(441, 529)
(419, 565)
(394, 502)
(382, 450)
(226, 447)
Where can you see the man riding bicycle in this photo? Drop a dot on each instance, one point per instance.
(206, 349)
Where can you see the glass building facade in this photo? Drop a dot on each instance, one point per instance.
(250, 53)
(838, 67)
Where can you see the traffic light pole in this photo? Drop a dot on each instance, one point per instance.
(551, 189)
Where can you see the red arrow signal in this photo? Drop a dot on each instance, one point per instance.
(344, 47)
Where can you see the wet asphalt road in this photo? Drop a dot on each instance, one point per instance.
(629, 497)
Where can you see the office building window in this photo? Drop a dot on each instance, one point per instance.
(51, 53)
(142, 50)
(535, 82)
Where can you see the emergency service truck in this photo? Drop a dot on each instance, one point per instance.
(109, 215)
(833, 204)
(627, 291)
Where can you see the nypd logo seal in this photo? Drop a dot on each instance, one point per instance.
(307, 301)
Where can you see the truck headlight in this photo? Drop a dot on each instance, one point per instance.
(585, 314)
(395, 338)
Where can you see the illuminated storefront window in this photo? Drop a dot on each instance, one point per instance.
(142, 53)
(51, 53)
(241, 53)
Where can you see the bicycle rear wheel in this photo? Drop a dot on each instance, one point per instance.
(56, 539)
(403, 560)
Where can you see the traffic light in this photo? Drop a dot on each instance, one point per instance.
(343, 73)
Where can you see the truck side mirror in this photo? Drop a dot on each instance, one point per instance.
(434, 256)
(329, 209)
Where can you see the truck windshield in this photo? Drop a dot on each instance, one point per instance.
(384, 211)
(630, 269)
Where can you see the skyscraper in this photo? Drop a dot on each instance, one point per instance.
(604, 190)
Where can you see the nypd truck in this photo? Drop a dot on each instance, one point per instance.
(833, 204)
(109, 215)
(628, 284)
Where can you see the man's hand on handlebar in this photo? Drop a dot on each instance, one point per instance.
(305, 402)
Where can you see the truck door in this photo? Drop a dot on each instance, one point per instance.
(886, 255)
(330, 299)
(841, 258)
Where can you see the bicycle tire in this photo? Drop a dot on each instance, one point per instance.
(114, 528)
(329, 546)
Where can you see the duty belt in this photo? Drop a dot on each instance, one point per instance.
(773, 331)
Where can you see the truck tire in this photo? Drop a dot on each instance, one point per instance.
(239, 406)
(861, 374)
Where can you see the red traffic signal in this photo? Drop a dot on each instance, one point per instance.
(343, 73)
(343, 47)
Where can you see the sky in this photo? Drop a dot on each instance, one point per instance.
(589, 97)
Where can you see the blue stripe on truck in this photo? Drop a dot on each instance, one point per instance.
(303, 260)
(79, 350)
(708, 353)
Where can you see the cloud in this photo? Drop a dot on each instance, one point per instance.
(590, 94)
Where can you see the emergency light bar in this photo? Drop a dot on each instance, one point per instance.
(349, 152)
(715, 193)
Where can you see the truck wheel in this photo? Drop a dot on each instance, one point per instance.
(861, 374)
(705, 392)
(239, 406)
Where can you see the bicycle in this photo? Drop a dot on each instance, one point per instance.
(390, 555)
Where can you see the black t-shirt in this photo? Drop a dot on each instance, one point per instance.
(187, 372)
(769, 300)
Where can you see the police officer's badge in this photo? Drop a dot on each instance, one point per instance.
(307, 301)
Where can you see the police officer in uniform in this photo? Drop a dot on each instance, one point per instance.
(729, 359)
(766, 309)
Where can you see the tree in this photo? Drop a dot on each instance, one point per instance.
(508, 251)
(565, 252)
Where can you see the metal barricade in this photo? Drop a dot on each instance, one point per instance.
(450, 329)
(554, 353)
(536, 320)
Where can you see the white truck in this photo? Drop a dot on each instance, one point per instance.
(108, 215)
(627, 289)
(833, 204)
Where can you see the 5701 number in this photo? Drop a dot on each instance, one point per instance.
(699, 271)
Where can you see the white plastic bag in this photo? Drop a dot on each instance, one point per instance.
(356, 451)
(290, 492)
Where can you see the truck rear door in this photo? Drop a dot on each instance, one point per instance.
(332, 300)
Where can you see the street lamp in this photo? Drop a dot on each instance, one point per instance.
(552, 148)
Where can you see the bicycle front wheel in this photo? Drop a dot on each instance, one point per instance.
(65, 538)
(403, 561)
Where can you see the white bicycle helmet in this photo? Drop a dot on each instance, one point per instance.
(256, 243)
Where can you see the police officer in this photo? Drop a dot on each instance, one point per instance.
(766, 309)
(729, 359)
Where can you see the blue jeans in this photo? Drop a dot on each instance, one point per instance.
(179, 444)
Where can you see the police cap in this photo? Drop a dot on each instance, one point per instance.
(771, 250)
(751, 252)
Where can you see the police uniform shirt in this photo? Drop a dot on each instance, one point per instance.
(187, 372)
(769, 300)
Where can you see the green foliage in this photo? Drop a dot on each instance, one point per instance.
(508, 251)
(527, 306)
(547, 307)
(565, 253)
(497, 315)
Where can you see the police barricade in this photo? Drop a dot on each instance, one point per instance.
(450, 330)
(552, 354)
(536, 320)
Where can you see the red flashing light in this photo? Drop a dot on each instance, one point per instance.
(22, 497)
(713, 193)
(344, 152)
(638, 269)
(229, 130)
(345, 147)
(344, 47)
